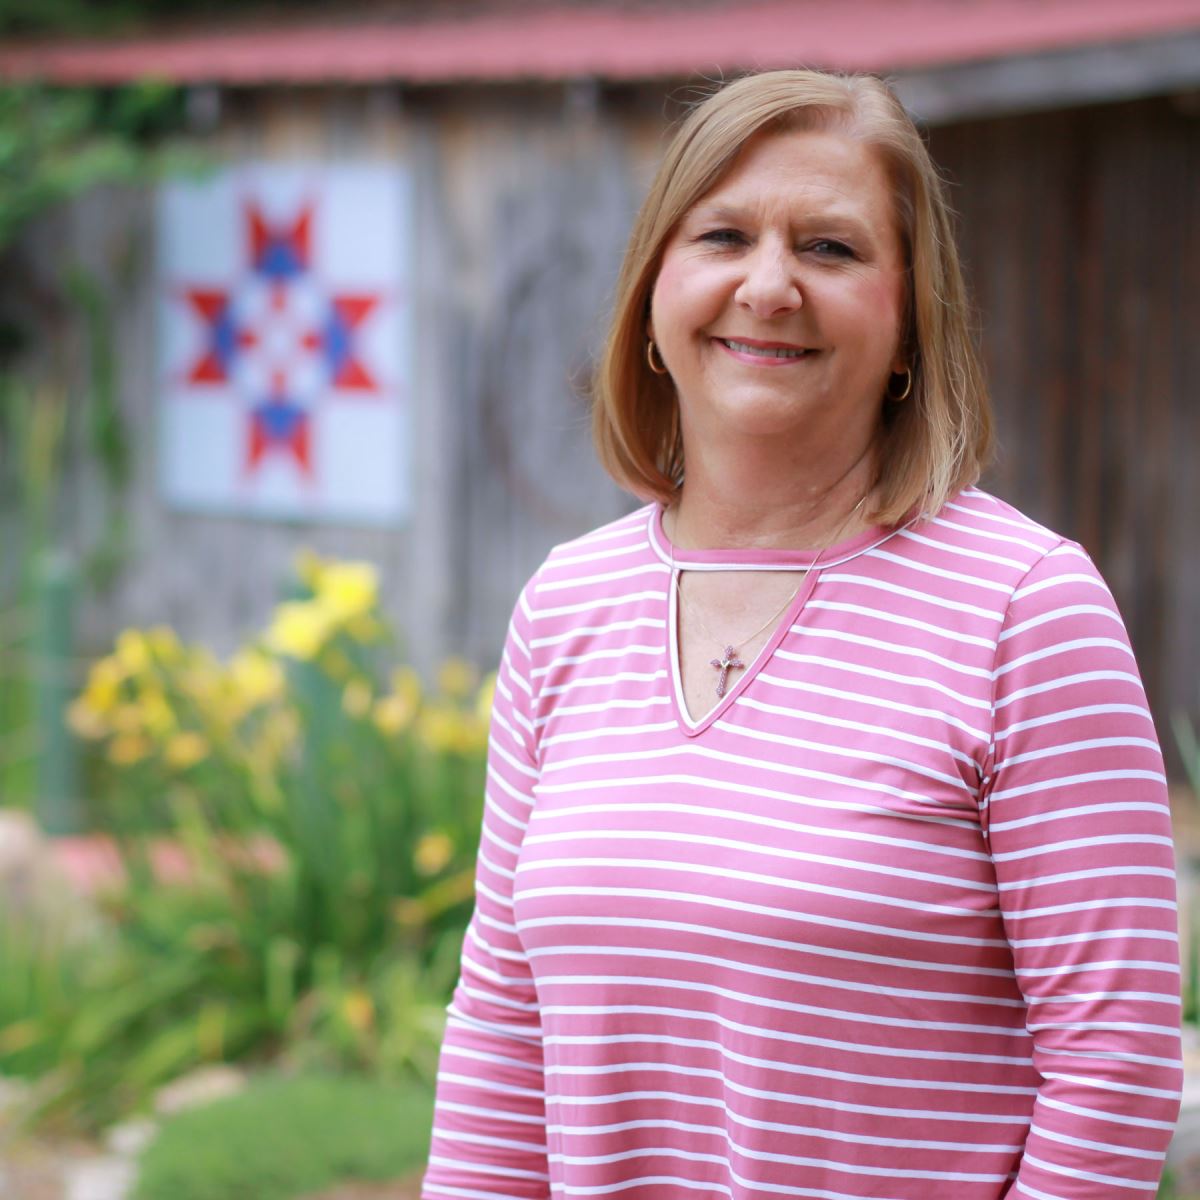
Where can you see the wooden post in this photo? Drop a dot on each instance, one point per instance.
(56, 795)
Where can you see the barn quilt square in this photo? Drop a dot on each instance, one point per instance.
(286, 342)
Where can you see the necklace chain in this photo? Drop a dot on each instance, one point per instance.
(728, 660)
(750, 636)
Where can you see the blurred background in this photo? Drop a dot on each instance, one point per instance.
(298, 306)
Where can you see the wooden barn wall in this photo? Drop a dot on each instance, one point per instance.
(1081, 232)
(540, 202)
(521, 209)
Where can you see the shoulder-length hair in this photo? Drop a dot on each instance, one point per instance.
(933, 442)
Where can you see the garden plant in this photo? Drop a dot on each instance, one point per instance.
(296, 827)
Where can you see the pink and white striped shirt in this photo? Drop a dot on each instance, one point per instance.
(895, 919)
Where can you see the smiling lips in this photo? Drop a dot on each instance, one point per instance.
(764, 353)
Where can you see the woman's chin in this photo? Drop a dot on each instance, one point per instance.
(755, 416)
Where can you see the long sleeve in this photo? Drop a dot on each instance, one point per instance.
(489, 1119)
(1075, 810)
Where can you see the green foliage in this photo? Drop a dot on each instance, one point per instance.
(58, 142)
(41, 976)
(106, 433)
(282, 1138)
(322, 833)
(32, 430)
(55, 144)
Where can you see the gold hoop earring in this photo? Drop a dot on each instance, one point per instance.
(650, 359)
(908, 382)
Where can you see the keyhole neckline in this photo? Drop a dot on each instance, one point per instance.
(742, 558)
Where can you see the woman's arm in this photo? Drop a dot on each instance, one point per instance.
(1075, 809)
(489, 1121)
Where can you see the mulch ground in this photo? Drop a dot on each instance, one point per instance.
(407, 1190)
(33, 1170)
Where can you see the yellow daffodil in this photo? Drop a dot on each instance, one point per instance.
(110, 670)
(356, 698)
(127, 718)
(199, 675)
(471, 734)
(157, 715)
(256, 677)
(164, 644)
(309, 567)
(358, 1010)
(393, 714)
(132, 652)
(348, 589)
(433, 851)
(456, 678)
(407, 683)
(438, 727)
(128, 748)
(103, 688)
(185, 750)
(299, 629)
(84, 720)
(485, 698)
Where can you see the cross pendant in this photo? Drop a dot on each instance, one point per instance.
(725, 664)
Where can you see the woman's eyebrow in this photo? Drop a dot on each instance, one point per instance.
(718, 212)
(828, 219)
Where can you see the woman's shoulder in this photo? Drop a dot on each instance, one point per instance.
(604, 554)
(987, 518)
(982, 529)
(1018, 554)
(607, 547)
(631, 528)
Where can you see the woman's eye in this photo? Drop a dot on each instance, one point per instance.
(831, 247)
(722, 237)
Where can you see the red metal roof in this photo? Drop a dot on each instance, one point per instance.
(548, 43)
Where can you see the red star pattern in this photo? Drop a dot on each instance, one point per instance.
(286, 335)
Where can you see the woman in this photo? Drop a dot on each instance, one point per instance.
(826, 849)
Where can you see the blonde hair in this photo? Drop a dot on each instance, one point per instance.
(936, 440)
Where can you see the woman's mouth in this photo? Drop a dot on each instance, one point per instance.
(766, 355)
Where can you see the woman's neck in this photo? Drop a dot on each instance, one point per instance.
(733, 504)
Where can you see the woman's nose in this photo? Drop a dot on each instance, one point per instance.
(771, 283)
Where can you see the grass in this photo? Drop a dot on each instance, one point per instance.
(284, 1137)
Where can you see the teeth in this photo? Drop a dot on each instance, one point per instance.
(763, 351)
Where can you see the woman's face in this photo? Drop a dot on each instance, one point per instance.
(779, 302)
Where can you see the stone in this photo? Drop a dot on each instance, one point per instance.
(199, 1087)
(107, 1178)
(130, 1138)
(13, 1094)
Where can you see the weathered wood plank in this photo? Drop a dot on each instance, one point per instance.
(1079, 231)
(1081, 75)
